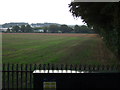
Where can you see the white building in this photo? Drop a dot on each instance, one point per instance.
(3, 29)
(39, 30)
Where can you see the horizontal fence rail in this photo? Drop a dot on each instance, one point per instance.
(20, 76)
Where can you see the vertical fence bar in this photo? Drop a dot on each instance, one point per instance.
(108, 67)
(84, 67)
(39, 66)
(48, 67)
(12, 75)
(30, 76)
(89, 68)
(116, 67)
(66, 67)
(93, 68)
(26, 75)
(61, 67)
(112, 67)
(17, 75)
(8, 76)
(75, 67)
(21, 74)
(53, 67)
(80, 67)
(103, 67)
(44, 67)
(35, 66)
(3, 84)
(71, 67)
(57, 67)
(98, 68)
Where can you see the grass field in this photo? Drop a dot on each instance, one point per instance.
(55, 48)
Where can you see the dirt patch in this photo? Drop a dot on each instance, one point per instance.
(60, 34)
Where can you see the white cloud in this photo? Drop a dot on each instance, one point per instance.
(33, 11)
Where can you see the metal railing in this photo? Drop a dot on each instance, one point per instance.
(20, 76)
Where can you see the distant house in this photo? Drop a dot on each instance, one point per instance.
(39, 30)
(3, 29)
(0, 26)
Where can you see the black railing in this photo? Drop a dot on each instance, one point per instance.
(20, 76)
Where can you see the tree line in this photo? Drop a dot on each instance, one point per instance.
(67, 29)
(23, 29)
(51, 29)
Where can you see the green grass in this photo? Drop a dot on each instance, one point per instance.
(35, 48)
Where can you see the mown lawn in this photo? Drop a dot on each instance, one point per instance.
(42, 48)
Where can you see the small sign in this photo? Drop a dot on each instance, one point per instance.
(49, 85)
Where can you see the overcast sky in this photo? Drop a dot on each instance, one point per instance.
(37, 11)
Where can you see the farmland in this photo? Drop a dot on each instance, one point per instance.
(29, 48)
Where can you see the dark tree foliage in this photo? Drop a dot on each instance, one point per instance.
(8, 30)
(104, 17)
(53, 28)
(65, 29)
(15, 29)
(23, 28)
(82, 29)
(28, 28)
(77, 29)
(45, 29)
